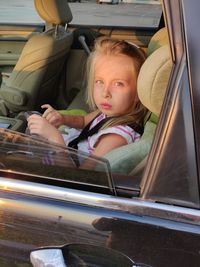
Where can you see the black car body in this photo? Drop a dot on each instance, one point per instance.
(154, 220)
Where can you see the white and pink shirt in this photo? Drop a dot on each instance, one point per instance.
(88, 145)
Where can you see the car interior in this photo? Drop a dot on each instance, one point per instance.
(40, 63)
(51, 69)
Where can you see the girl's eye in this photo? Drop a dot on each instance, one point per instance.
(118, 84)
(99, 83)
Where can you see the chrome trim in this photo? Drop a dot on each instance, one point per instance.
(56, 30)
(134, 206)
(66, 26)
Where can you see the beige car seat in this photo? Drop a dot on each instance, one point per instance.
(152, 83)
(34, 80)
(159, 39)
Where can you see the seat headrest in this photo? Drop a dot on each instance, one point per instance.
(153, 79)
(54, 11)
(159, 39)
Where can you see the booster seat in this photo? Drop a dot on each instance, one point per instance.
(152, 83)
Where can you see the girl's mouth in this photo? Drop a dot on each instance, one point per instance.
(105, 106)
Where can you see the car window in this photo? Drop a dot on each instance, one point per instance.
(19, 12)
(123, 15)
(34, 157)
(138, 14)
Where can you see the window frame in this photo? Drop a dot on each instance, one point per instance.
(179, 77)
(192, 44)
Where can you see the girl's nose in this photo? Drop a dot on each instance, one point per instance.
(106, 91)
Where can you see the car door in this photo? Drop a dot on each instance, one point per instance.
(46, 201)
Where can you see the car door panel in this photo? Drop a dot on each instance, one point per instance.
(37, 221)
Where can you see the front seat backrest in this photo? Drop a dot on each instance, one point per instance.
(34, 80)
(159, 39)
(153, 79)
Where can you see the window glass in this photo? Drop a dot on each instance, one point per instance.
(37, 158)
(126, 14)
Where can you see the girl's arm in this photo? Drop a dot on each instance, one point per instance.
(73, 121)
(108, 142)
(105, 144)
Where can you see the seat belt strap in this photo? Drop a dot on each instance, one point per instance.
(86, 132)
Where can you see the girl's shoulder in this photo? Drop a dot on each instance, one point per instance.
(125, 131)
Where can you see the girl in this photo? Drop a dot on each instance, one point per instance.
(117, 115)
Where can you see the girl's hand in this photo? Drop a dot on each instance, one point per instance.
(52, 116)
(40, 126)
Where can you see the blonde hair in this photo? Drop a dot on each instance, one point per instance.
(109, 46)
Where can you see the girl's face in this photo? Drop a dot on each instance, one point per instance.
(114, 84)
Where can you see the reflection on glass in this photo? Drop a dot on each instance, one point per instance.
(80, 255)
(47, 257)
(29, 155)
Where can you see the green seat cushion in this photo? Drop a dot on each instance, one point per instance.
(79, 112)
(153, 118)
(125, 159)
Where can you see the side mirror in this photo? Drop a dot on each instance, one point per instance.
(79, 255)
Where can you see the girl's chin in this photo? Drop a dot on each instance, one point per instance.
(109, 114)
